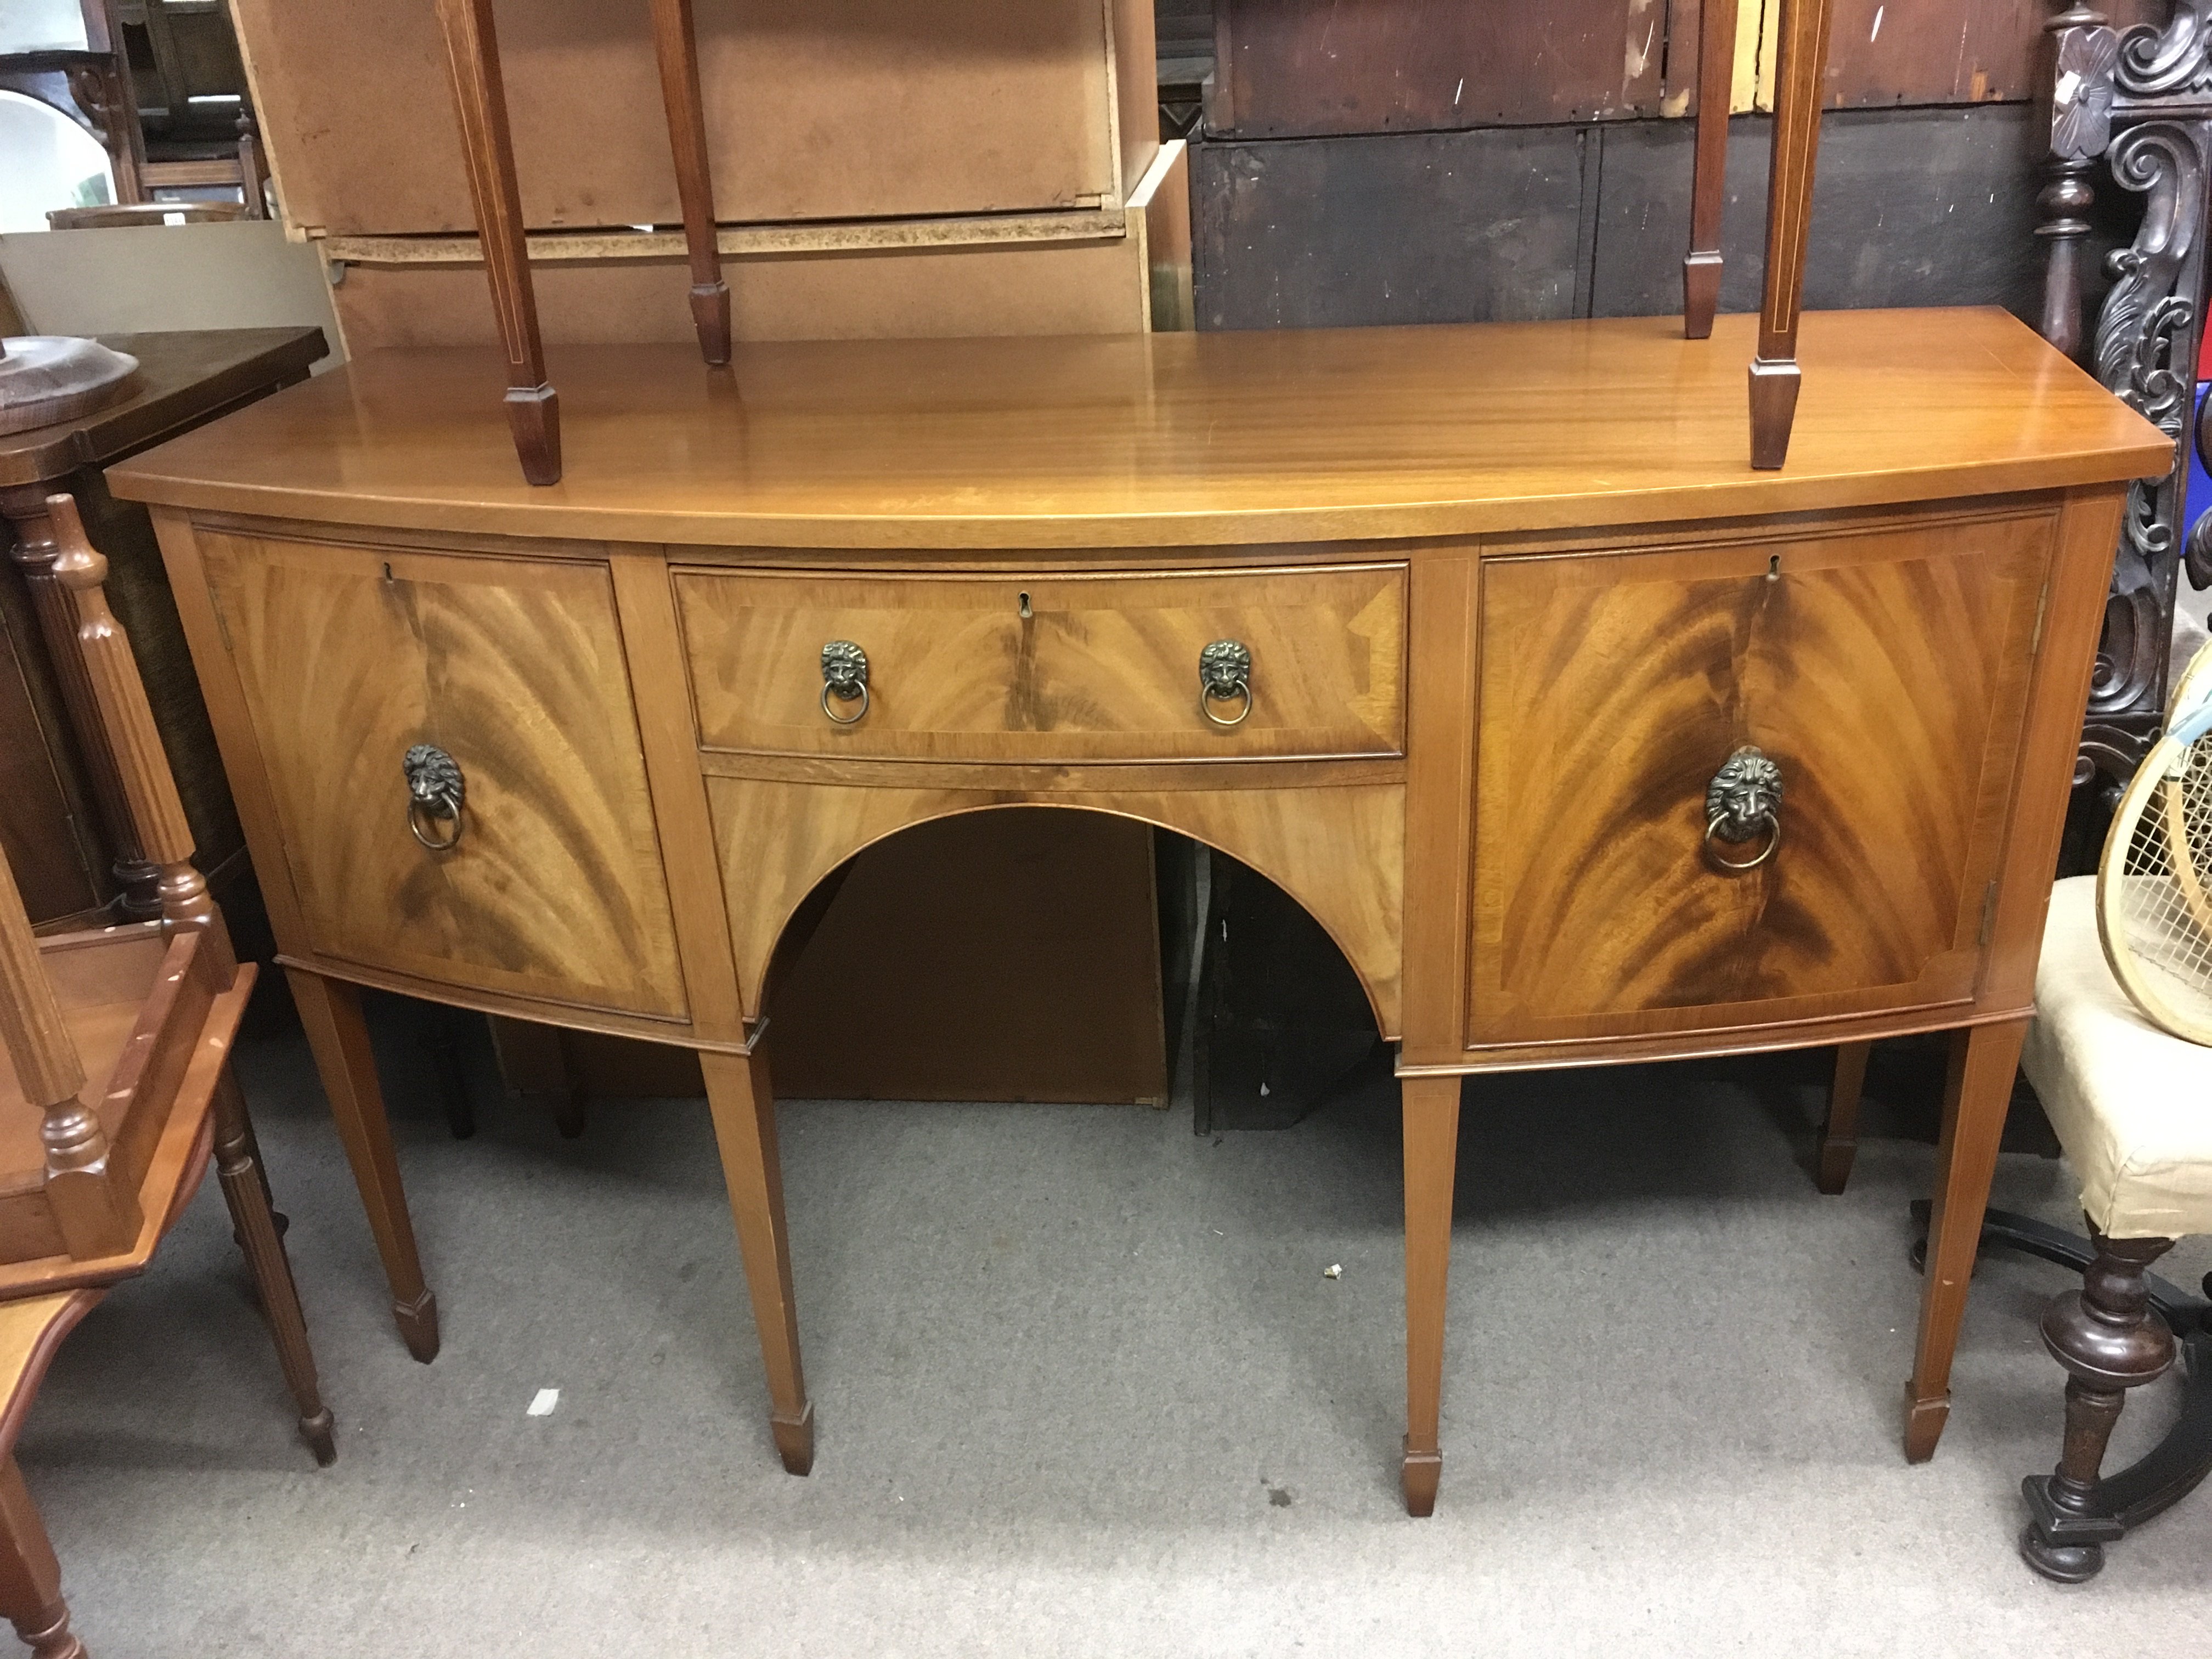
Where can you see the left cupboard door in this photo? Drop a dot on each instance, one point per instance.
(512, 670)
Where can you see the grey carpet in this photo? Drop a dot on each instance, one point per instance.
(1082, 1388)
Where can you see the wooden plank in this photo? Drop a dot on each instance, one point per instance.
(814, 109)
(1066, 288)
(1418, 227)
(1959, 51)
(750, 241)
(1307, 68)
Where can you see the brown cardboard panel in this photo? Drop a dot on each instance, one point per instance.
(1070, 287)
(816, 109)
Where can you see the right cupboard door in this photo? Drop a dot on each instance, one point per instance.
(1883, 671)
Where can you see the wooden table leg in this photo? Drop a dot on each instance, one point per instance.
(1431, 1134)
(1976, 1096)
(30, 1576)
(331, 1010)
(1701, 266)
(1801, 63)
(1839, 1129)
(245, 1189)
(739, 1096)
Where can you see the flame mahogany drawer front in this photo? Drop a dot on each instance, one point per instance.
(1309, 661)
(350, 657)
(1884, 674)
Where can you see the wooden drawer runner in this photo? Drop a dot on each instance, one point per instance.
(514, 667)
(1056, 668)
(1885, 672)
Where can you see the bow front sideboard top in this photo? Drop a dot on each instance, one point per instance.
(1585, 742)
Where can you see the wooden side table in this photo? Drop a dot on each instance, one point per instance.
(63, 823)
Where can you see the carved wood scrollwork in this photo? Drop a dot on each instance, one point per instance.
(2140, 100)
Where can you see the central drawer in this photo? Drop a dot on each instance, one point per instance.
(1307, 662)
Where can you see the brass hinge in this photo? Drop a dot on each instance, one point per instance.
(2041, 600)
(1989, 914)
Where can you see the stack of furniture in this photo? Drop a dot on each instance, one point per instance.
(116, 1091)
(64, 822)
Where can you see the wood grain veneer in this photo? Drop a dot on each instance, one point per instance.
(1170, 441)
(1052, 668)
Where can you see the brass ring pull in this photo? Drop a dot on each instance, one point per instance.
(844, 676)
(1773, 826)
(1225, 672)
(1743, 802)
(436, 792)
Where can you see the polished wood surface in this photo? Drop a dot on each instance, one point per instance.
(1883, 671)
(513, 667)
(1062, 668)
(781, 838)
(1171, 440)
(1512, 599)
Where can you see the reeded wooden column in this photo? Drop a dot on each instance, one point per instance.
(534, 409)
(1802, 63)
(110, 672)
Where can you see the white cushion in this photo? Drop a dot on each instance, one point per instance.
(2131, 1104)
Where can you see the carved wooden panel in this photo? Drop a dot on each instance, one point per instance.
(350, 656)
(1338, 850)
(1885, 672)
(1100, 668)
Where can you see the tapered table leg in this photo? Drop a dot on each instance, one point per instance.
(331, 1010)
(245, 1189)
(1839, 1129)
(1800, 66)
(1976, 1095)
(1431, 1135)
(1701, 266)
(744, 1106)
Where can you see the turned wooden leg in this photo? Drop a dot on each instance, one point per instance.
(1839, 1132)
(245, 1189)
(2108, 1340)
(744, 1106)
(1976, 1095)
(1431, 1135)
(331, 1010)
(30, 1577)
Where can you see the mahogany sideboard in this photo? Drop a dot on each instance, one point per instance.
(1585, 742)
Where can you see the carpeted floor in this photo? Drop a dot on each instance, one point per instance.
(1082, 1388)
